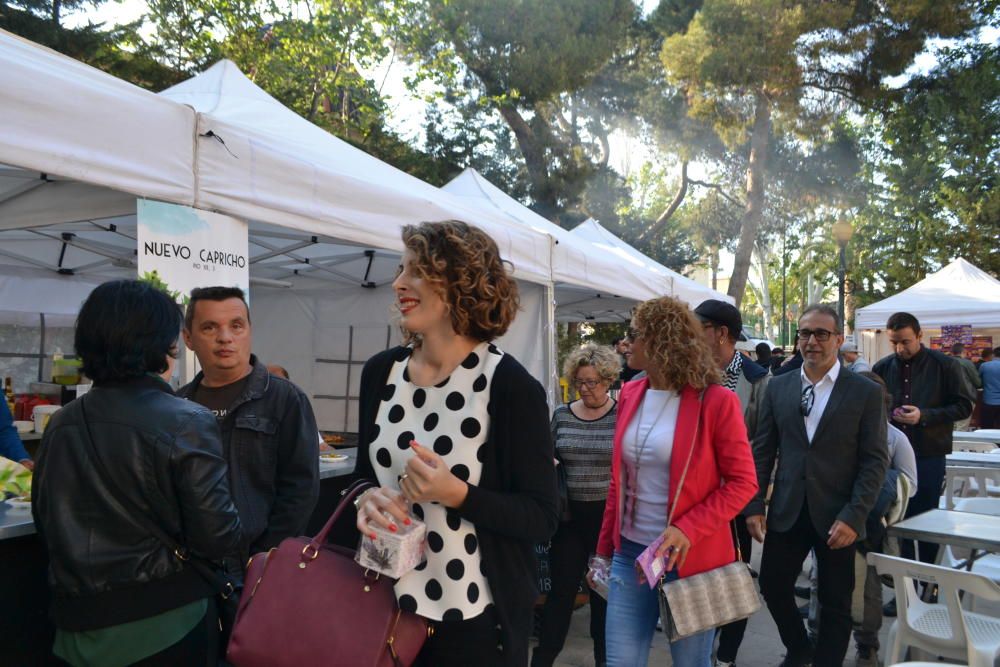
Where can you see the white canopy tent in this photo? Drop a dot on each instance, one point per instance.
(591, 284)
(676, 285)
(324, 216)
(960, 293)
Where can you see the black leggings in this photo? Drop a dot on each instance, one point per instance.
(573, 543)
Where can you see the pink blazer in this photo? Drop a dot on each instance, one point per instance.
(720, 482)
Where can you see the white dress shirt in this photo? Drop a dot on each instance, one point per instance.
(821, 396)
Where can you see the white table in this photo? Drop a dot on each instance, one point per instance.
(982, 435)
(979, 532)
(973, 460)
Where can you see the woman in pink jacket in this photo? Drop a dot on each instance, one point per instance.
(678, 405)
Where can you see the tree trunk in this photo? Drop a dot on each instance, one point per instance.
(655, 228)
(713, 262)
(534, 158)
(765, 291)
(755, 197)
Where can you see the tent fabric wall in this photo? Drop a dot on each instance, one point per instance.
(960, 293)
(65, 118)
(324, 336)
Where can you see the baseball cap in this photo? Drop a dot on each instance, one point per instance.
(723, 314)
(848, 347)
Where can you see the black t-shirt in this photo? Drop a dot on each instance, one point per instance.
(219, 399)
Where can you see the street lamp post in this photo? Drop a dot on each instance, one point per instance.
(842, 232)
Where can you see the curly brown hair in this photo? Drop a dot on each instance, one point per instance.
(674, 343)
(462, 263)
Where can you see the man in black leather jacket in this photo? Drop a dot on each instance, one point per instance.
(269, 433)
(929, 393)
(164, 457)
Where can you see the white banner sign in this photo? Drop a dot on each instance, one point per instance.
(188, 248)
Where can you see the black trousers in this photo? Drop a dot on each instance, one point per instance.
(731, 636)
(471, 643)
(572, 546)
(930, 479)
(782, 561)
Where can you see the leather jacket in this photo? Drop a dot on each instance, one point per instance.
(271, 442)
(165, 455)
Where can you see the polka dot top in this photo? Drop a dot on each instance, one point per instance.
(452, 418)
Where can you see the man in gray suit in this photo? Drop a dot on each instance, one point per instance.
(827, 428)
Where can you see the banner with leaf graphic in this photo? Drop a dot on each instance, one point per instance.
(181, 248)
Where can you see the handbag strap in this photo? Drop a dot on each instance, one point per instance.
(347, 497)
(687, 464)
(207, 570)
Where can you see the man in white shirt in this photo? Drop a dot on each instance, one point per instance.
(829, 425)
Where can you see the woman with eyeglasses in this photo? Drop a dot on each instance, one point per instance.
(678, 421)
(583, 431)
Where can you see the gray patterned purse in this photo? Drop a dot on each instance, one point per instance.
(710, 599)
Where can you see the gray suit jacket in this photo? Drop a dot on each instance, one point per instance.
(839, 475)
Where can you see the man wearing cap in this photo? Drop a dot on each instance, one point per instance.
(853, 361)
(723, 326)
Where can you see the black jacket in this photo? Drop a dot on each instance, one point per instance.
(514, 506)
(166, 457)
(940, 390)
(270, 439)
(839, 473)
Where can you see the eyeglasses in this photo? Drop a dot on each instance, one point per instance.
(590, 384)
(822, 335)
(807, 399)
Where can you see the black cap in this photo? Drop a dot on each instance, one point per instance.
(723, 314)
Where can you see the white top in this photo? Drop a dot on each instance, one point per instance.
(451, 418)
(647, 500)
(821, 391)
(901, 456)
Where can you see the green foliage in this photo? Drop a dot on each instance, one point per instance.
(932, 166)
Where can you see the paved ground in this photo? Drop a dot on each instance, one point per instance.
(761, 646)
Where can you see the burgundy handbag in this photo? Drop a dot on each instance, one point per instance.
(307, 602)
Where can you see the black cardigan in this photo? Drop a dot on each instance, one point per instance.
(515, 505)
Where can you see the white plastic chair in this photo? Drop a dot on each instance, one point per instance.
(974, 446)
(968, 482)
(943, 628)
(952, 557)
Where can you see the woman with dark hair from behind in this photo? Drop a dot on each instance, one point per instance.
(119, 595)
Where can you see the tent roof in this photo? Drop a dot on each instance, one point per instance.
(260, 160)
(575, 261)
(677, 285)
(960, 293)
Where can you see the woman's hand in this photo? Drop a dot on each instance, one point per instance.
(428, 478)
(384, 507)
(677, 544)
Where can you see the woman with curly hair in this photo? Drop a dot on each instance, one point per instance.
(582, 431)
(455, 432)
(678, 406)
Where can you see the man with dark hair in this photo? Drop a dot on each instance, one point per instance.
(826, 427)
(722, 325)
(971, 374)
(268, 427)
(985, 356)
(930, 393)
(989, 371)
